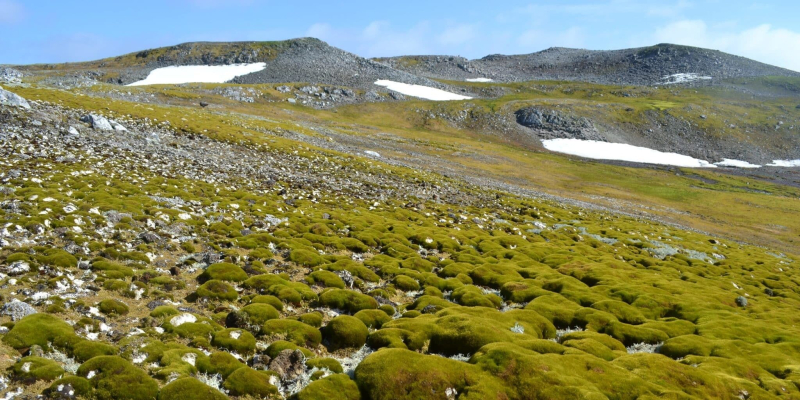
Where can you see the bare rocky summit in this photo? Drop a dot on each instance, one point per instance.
(638, 66)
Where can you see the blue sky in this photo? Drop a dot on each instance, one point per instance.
(47, 31)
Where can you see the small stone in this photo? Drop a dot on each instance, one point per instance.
(741, 301)
(149, 237)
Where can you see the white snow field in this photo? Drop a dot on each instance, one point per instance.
(727, 162)
(423, 92)
(198, 74)
(622, 152)
(785, 163)
(480, 80)
(683, 78)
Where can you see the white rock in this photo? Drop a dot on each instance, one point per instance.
(12, 99)
(179, 320)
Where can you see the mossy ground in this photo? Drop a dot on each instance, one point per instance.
(551, 311)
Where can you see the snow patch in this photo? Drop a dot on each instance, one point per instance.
(372, 153)
(785, 163)
(423, 92)
(727, 162)
(481, 80)
(198, 73)
(622, 152)
(683, 78)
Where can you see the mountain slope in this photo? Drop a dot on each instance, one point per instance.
(297, 60)
(637, 66)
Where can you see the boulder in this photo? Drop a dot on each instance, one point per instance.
(10, 75)
(741, 301)
(97, 122)
(13, 100)
(550, 124)
(289, 364)
(17, 309)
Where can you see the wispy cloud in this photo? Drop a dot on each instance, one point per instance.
(763, 42)
(11, 12)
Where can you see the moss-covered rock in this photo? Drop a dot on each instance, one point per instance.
(373, 318)
(259, 313)
(249, 382)
(32, 368)
(325, 363)
(292, 331)
(313, 318)
(113, 307)
(42, 330)
(345, 331)
(338, 386)
(85, 350)
(280, 345)
(347, 300)
(189, 388)
(81, 386)
(223, 272)
(219, 363)
(235, 339)
(405, 283)
(217, 290)
(113, 377)
(306, 258)
(326, 279)
(268, 299)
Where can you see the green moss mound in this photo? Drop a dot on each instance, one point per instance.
(373, 318)
(88, 349)
(235, 339)
(42, 330)
(259, 313)
(306, 258)
(113, 307)
(344, 332)
(325, 363)
(116, 378)
(217, 290)
(249, 382)
(219, 363)
(338, 386)
(267, 299)
(223, 272)
(32, 368)
(292, 331)
(82, 386)
(347, 300)
(189, 388)
(280, 345)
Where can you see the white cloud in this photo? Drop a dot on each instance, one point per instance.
(763, 43)
(11, 12)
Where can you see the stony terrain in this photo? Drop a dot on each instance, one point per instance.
(314, 241)
(639, 66)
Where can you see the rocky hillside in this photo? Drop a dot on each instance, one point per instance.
(298, 60)
(172, 252)
(638, 66)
